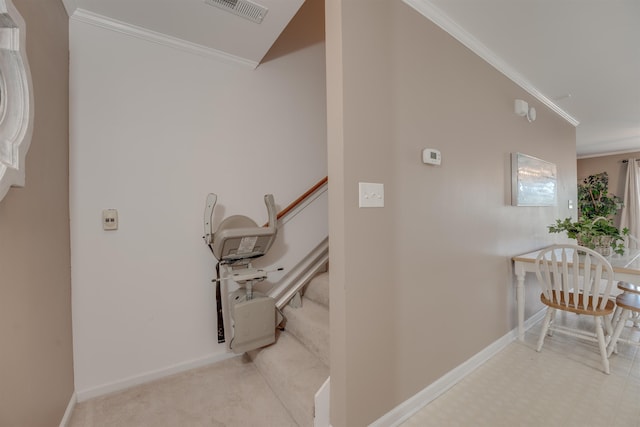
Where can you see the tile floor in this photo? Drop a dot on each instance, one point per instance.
(563, 385)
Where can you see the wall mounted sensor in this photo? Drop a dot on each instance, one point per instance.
(431, 156)
(522, 108)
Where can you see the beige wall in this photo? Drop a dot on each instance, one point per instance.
(36, 366)
(426, 282)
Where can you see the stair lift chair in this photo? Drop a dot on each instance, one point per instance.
(235, 244)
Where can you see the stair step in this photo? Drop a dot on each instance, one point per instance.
(318, 289)
(310, 325)
(293, 373)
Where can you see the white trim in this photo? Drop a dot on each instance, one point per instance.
(83, 395)
(609, 153)
(70, 407)
(321, 405)
(87, 17)
(438, 17)
(70, 6)
(411, 406)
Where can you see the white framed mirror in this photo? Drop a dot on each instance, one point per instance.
(16, 98)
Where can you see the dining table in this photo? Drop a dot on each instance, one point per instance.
(626, 268)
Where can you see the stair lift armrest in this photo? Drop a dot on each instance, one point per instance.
(271, 209)
(208, 217)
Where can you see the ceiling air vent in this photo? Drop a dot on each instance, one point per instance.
(244, 8)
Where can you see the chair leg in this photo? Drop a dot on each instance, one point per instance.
(616, 316)
(553, 319)
(601, 344)
(545, 326)
(616, 333)
(608, 328)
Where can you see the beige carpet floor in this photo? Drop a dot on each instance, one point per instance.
(227, 394)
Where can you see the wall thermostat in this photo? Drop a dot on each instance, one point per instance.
(431, 156)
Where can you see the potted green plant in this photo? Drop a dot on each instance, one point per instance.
(594, 228)
(598, 234)
(594, 199)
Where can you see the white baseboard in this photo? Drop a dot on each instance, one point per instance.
(531, 321)
(409, 407)
(321, 405)
(146, 377)
(67, 414)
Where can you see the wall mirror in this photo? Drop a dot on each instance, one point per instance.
(16, 98)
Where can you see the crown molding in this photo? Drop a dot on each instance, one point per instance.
(607, 153)
(87, 17)
(70, 6)
(438, 17)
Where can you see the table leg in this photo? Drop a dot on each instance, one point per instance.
(520, 301)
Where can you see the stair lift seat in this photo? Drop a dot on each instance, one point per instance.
(239, 239)
(235, 244)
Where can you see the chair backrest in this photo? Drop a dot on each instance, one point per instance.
(563, 270)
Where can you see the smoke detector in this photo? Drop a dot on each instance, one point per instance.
(243, 8)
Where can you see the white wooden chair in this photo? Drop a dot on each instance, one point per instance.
(579, 280)
(629, 303)
(626, 287)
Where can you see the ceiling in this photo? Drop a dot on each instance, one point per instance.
(197, 22)
(579, 57)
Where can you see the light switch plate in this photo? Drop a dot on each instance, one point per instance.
(371, 195)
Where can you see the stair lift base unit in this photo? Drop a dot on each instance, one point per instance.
(237, 241)
(253, 321)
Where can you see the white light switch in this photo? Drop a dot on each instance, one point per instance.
(371, 195)
(110, 219)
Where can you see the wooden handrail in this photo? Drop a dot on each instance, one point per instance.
(300, 199)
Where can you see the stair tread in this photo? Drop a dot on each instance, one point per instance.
(294, 373)
(318, 289)
(310, 325)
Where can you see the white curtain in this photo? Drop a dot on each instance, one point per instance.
(630, 216)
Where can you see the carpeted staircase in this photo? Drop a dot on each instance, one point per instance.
(297, 365)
